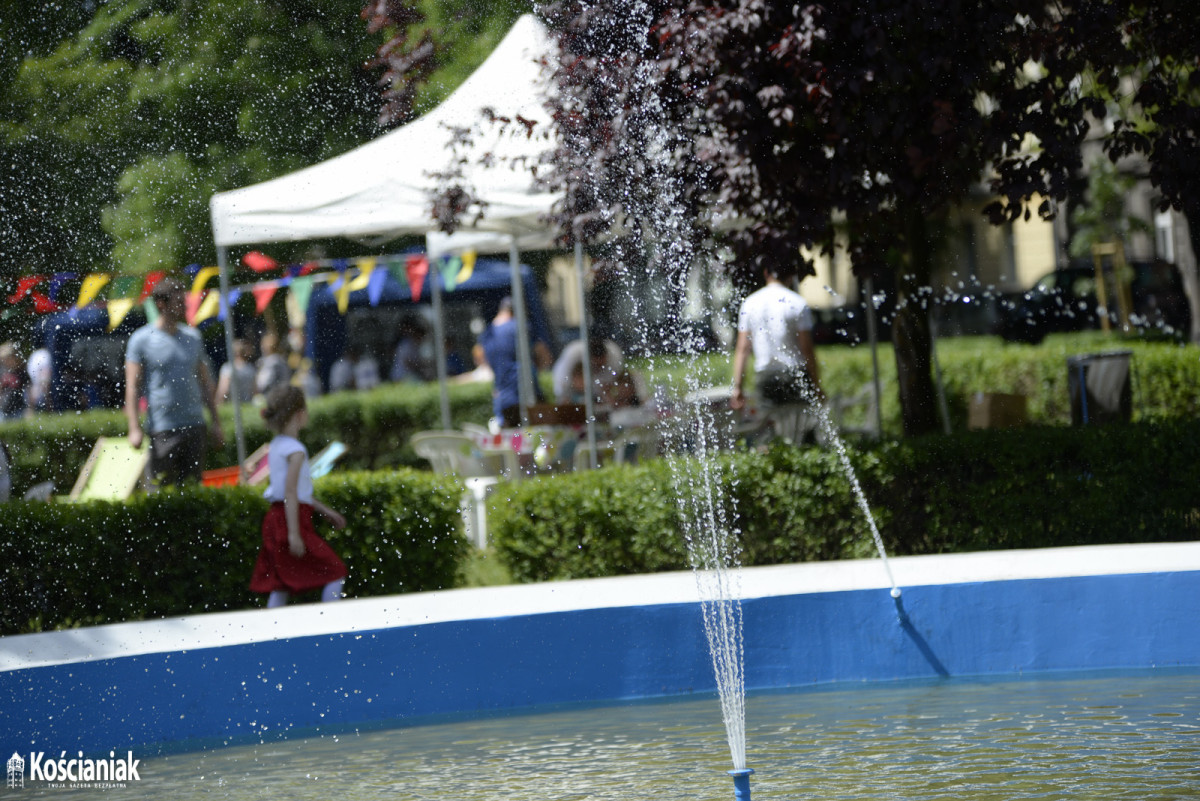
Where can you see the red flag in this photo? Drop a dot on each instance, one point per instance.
(262, 296)
(152, 279)
(24, 286)
(259, 262)
(416, 267)
(42, 304)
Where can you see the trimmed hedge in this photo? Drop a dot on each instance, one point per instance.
(985, 490)
(187, 551)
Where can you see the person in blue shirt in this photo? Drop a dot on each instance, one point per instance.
(164, 361)
(500, 348)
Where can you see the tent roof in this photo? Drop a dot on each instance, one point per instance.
(385, 187)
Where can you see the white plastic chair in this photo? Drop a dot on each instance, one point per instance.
(454, 453)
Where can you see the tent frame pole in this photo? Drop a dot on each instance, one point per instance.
(439, 340)
(524, 353)
(238, 428)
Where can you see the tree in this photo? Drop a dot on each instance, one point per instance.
(1145, 62)
(869, 117)
(1102, 218)
(124, 130)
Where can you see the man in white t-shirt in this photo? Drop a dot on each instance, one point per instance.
(776, 325)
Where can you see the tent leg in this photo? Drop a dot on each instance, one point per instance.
(526, 390)
(439, 345)
(239, 431)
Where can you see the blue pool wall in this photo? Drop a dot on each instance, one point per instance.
(262, 674)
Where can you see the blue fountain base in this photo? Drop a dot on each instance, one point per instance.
(235, 677)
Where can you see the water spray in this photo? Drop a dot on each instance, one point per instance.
(741, 783)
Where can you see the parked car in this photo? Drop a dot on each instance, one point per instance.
(1066, 300)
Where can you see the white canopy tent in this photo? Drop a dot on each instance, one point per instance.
(386, 188)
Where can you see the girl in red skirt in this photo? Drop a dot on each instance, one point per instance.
(293, 558)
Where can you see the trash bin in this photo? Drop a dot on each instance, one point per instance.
(1100, 387)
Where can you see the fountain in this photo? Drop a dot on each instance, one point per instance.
(264, 676)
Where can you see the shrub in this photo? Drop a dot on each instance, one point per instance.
(981, 490)
(187, 551)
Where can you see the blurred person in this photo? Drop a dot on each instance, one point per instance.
(164, 360)
(775, 324)
(40, 369)
(240, 369)
(410, 362)
(14, 380)
(501, 348)
(272, 369)
(605, 359)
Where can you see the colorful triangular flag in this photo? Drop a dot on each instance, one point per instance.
(416, 267)
(92, 284)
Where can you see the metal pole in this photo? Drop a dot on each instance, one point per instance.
(239, 432)
(439, 343)
(589, 402)
(525, 384)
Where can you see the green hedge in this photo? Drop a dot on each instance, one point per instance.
(182, 552)
(1036, 487)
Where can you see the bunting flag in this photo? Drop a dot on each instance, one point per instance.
(226, 305)
(396, 270)
(24, 287)
(259, 262)
(363, 279)
(117, 309)
(203, 277)
(57, 282)
(468, 267)
(208, 308)
(301, 291)
(416, 268)
(263, 294)
(124, 286)
(375, 286)
(152, 279)
(42, 304)
(342, 291)
(451, 265)
(90, 288)
(194, 299)
(149, 308)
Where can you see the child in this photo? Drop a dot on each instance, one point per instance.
(293, 558)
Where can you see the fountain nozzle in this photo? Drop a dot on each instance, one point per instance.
(741, 783)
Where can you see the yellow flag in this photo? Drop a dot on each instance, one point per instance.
(117, 309)
(468, 266)
(203, 278)
(91, 287)
(363, 279)
(343, 294)
(208, 307)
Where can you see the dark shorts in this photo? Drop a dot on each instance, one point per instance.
(782, 388)
(177, 456)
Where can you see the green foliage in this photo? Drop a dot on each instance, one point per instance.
(974, 491)
(183, 552)
(152, 106)
(1103, 218)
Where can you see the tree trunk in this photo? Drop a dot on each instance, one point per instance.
(911, 338)
(1191, 281)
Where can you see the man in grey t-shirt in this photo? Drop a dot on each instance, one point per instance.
(164, 360)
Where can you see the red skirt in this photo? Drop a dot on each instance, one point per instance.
(277, 569)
